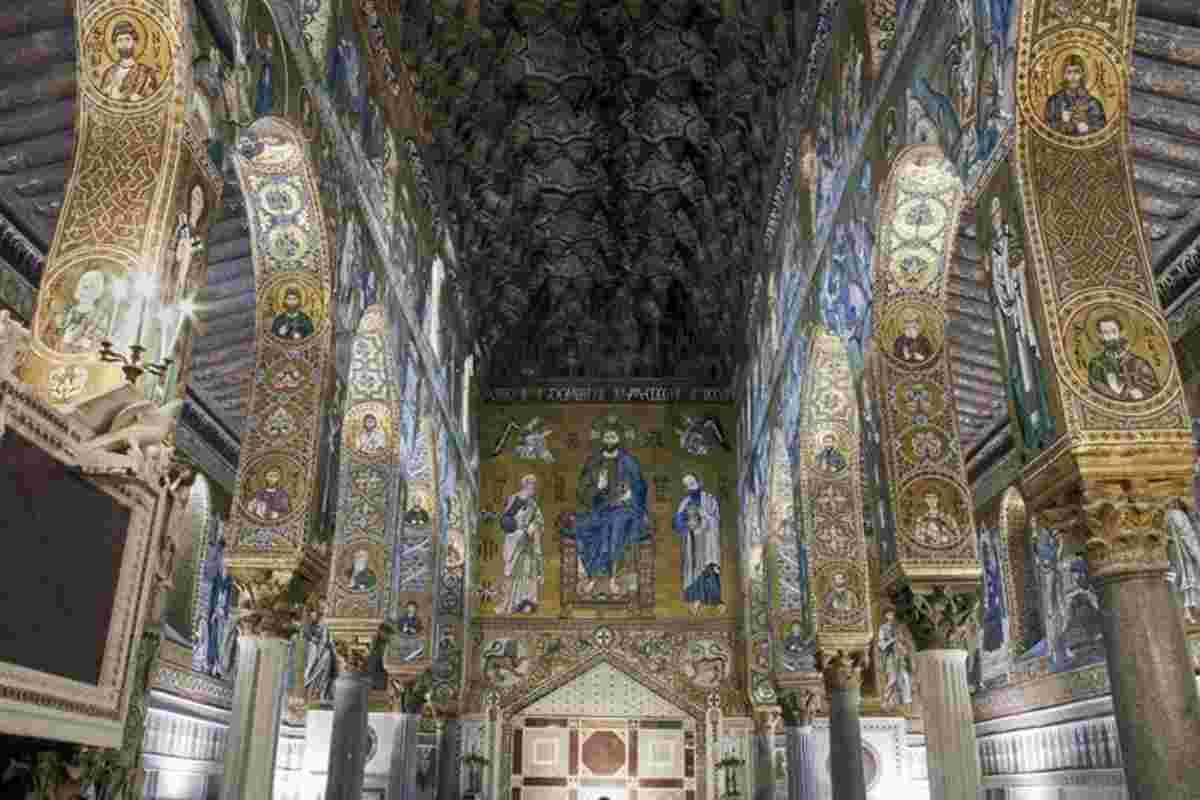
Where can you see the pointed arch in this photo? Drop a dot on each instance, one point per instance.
(831, 505)
(368, 513)
(909, 369)
(275, 519)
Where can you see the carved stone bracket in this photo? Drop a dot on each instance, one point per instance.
(842, 670)
(939, 618)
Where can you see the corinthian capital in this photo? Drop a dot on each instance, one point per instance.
(938, 619)
(270, 602)
(1125, 535)
(842, 670)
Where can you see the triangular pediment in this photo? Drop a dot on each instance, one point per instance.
(604, 691)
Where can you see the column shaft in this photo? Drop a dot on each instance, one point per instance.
(402, 778)
(845, 744)
(801, 762)
(1153, 689)
(949, 725)
(348, 739)
(253, 735)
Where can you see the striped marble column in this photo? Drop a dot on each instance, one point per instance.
(801, 761)
(402, 775)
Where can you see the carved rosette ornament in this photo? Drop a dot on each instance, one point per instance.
(1116, 387)
(103, 278)
(831, 498)
(909, 369)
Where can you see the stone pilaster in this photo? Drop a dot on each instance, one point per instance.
(843, 691)
(798, 709)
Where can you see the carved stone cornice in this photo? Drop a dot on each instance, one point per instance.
(938, 619)
(842, 670)
(798, 708)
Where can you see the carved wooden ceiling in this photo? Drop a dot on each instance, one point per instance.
(605, 180)
(603, 166)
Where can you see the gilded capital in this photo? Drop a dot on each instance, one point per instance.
(409, 696)
(353, 654)
(799, 707)
(939, 618)
(270, 602)
(842, 670)
(1125, 535)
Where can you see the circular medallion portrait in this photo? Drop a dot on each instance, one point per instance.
(271, 489)
(357, 568)
(92, 302)
(831, 456)
(932, 513)
(911, 334)
(840, 594)
(1119, 353)
(296, 311)
(1073, 92)
(133, 58)
(367, 431)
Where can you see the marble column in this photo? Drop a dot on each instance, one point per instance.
(253, 735)
(348, 739)
(843, 691)
(950, 749)
(801, 745)
(764, 763)
(448, 757)
(402, 778)
(1153, 688)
